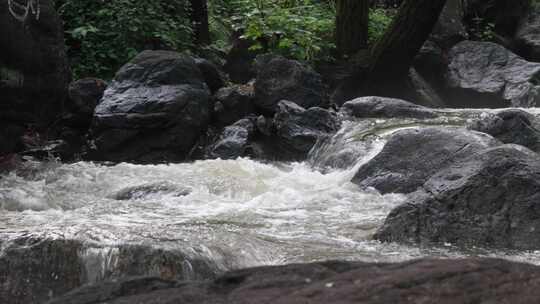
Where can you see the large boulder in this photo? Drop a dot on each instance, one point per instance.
(489, 200)
(512, 126)
(412, 156)
(84, 96)
(441, 281)
(155, 109)
(34, 71)
(233, 103)
(528, 35)
(297, 129)
(485, 74)
(279, 79)
(234, 140)
(383, 107)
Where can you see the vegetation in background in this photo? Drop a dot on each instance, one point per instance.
(103, 35)
(379, 20)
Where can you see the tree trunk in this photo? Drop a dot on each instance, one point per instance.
(352, 17)
(393, 54)
(199, 21)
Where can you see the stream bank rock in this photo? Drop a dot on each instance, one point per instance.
(489, 200)
(441, 281)
(412, 156)
(513, 126)
(486, 75)
(279, 79)
(154, 110)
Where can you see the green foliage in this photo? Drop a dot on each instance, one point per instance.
(103, 35)
(379, 20)
(482, 30)
(300, 29)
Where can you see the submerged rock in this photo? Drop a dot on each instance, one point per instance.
(154, 110)
(279, 79)
(145, 190)
(34, 270)
(412, 156)
(485, 74)
(421, 281)
(491, 200)
(383, 107)
(512, 127)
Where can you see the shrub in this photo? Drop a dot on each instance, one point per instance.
(379, 20)
(102, 35)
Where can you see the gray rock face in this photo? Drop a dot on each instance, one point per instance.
(421, 281)
(211, 74)
(297, 129)
(512, 127)
(489, 200)
(234, 140)
(484, 74)
(374, 106)
(279, 79)
(528, 35)
(412, 156)
(154, 110)
(33, 270)
(233, 103)
(450, 28)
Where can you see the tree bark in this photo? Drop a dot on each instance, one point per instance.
(352, 17)
(199, 21)
(393, 54)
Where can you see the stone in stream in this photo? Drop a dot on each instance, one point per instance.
(279, 79)
(33, 270)
(491, 200)
(412, 156)
(145, 190)
(232, 104)
(440, 281)
(512, 126)
(383, 107)
(211, 74)
(486, 75)
(298, 129)
(234, 140)
(154, 110)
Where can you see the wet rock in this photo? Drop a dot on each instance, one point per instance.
(34, 269)
(484, 74)
(34, 71)
(154, 110)
(297, 129)
(421, 281)
(84, 96)
(52, 149)
(146, 190)
(234, 141)
(211, 74)
(279, 79)
(233, 103)
(488, 200)
(412, 156)
(528, 35)
(511, 127)
(383, 107)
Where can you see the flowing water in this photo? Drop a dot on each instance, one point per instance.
(235, 213)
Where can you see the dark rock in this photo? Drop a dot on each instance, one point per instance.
(233, 103)
(489, 200)
(528, 35)
(33, 270)
(234, 140)
(154, 110)
(484, 74)
(84, 96)
(297, 129)
(424, 93)
(412, 156)
(34, 71)
(146, 190)
(11, 138)
(503, 14)
(52, 149)
(471, 280)
(431, 63)
(211, 74)
(383, 107)
(511, 127)
(239, 60)
(450, 28)
(279, 79)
